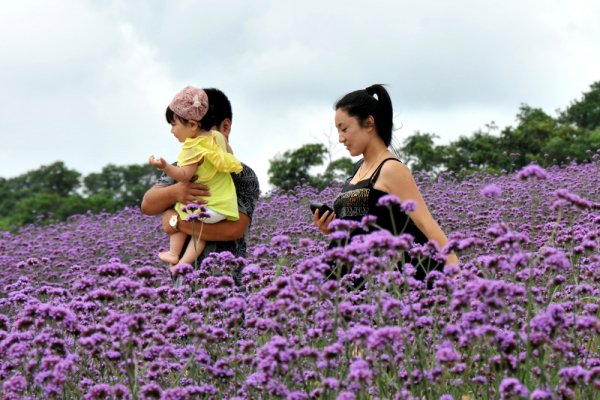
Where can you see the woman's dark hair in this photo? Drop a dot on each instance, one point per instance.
(219, 108)
(362, 103)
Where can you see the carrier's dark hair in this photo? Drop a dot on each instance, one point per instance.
(362, 103)
(219, 109)
(219, 106)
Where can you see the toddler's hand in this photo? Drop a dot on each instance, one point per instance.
(160, 163)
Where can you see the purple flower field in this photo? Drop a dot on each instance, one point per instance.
(88, 311)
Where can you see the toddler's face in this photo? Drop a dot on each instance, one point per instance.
(182, 131)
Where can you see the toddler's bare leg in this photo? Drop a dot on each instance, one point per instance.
(192, 252)
(176, 242)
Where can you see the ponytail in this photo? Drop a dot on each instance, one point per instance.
(362, 103)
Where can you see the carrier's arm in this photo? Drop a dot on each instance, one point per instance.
(220, 232)
(160, 198)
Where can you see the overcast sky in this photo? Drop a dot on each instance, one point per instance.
(87, 82)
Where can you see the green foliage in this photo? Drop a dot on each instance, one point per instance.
(585, 113)
(535, 129)
(48, 207)
(336, 170)
(538, 137)
(578, 148)
(126, 185)
(294, 167)
(50, 193)
(54, 178)
(419, 151)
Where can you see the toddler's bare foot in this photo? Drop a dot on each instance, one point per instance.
(169, 257)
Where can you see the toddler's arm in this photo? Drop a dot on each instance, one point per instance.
(180, 174)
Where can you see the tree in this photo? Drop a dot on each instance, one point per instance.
(585, 113)
(54, 178)
(419, 151)
(126, 185)
(527, 140)
(578, 148)
(293, 167)
(336, 170)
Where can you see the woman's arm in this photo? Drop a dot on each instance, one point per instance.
(396, 179)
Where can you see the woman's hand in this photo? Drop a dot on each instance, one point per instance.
(322, 222)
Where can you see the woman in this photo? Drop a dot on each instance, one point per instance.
(364, 124)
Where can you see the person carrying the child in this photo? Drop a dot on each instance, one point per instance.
(204, 158)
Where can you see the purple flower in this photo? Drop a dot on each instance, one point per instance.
(192, 207)
(339, 235)
(343, 225)
(195, 212)
(360, 371)
(446, 354)
(539, 394)
(408, 206)
(512, 387)
(150, 391)
(532, 170)
(280, 240)
(367, 221)
(97, 392)
(574, 375)
(359, 333)
(121, 392)
(332, 351)
(15, 385)
(574, 199)
(388, 200)
(177, 393)
(491, 190)
(346, 395)
(331, 383)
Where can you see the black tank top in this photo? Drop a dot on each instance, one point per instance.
(359, 199)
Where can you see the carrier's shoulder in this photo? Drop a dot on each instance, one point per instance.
(246, 180)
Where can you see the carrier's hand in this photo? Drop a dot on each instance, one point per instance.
(189, 192)
(160, 163)
(322, 222)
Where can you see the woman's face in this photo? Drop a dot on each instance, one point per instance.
(351, 134)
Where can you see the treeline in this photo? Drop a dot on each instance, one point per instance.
(54, 192)
(573, 135)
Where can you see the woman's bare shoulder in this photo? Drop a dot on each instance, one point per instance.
(395, 169)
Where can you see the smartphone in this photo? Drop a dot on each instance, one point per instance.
(321, 207)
